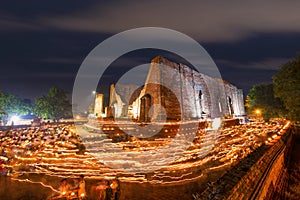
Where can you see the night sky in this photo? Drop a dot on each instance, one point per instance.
(43, 43)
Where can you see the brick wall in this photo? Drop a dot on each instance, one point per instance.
(183, 92)
(261, 175)
(199, 95)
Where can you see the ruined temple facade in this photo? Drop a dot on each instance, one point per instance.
(175, 91)
(99, 103)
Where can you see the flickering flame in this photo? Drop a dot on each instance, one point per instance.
(61, 159)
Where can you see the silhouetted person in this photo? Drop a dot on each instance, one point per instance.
(108, 191)
(64, 188)
(81, 188)
(115, 187)
(101, 190)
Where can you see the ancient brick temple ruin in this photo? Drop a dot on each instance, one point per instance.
(173, 91)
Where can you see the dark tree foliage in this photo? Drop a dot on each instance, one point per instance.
(262, 97)
(287, 87)
(55, 105)
(13, 105)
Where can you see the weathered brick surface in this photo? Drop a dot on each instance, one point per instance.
(183, 92)
(199, 95)
(242, 181)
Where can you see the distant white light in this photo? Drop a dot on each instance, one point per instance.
(15, 118)
(94, 92)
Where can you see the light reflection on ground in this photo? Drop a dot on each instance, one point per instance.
(57, 151)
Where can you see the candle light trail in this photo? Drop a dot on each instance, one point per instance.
(34, 182)
(54, 152)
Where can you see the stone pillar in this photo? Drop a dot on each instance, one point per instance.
(99, 102)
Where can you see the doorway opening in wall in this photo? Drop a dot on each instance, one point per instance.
(145, 108)
(230, 104)
(202, 113)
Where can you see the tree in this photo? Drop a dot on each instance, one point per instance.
(42, 107)
(262, 97)
(287, 87)
(55, 105)
(2, 105)
(13, 105)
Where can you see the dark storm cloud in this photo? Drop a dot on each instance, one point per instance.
(44, 42)
(23, 15)
(204, 20)
(267, 64)
(31, 9)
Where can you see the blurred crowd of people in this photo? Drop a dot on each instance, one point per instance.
(34, 142)
(56, 144)
(27, 142)
(76, 189)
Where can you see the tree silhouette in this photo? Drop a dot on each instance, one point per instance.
(55, 105)
(287, 87)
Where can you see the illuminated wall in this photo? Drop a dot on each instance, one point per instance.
(121, 100)
(183, 93)
(187, 94)
(99, 102)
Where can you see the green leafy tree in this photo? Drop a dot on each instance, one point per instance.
(262, 97)
(55, 105)
(42, 107)
(2, 105)
(287, 87)
(13, 105)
